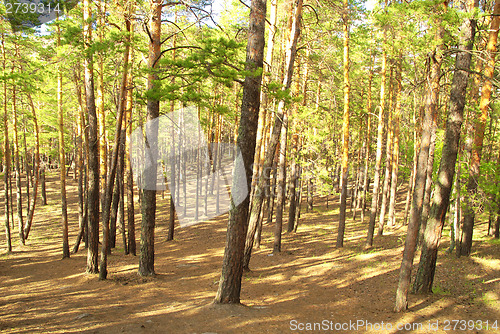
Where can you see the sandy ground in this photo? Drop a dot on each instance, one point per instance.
(310, 285)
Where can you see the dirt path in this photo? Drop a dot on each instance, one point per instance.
(310, 282)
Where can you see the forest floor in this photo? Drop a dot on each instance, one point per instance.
(309, 282)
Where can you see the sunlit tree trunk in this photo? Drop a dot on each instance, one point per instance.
(388, 160)
(80, 165)
(6, 153)
(293, 184)
(435, 60)
(148, 205)
(36, 172)
(426, 206)
(367, 141)
(93, 147)
(131, 247)
(264, 98)
(101, 112)
(442, 190)
(378, 157)
(19, 203)
(258, 198)
(280, 190)
(62, 158)
(232, 265)
(411, 182)
(480, 125)
(395, 148)
(345, 131)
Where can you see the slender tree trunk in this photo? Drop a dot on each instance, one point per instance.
(442, 191)
(62, 158)
(281, 191)
(93, 147)
(293, 185)
(101, 112)
(6, 152)
(131, 248)
(148, 205)
(232, 265)
(388, 166)
(258, 197)
(367, 141)
(345, 131)
(31, 211)
(426, 207)
(418, 194)
(264, 98)
(173, 184)
(480, 125)
(411, 182)
(19, 202)
(82, 223)
(395, 148)
(110, 183)
(121, 184)
(378, 157)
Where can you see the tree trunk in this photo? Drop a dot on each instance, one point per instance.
(418, 194)
(258, 197)
(43, 185)
(293, 185)
(442, 190)
(426, 207)
(388, 165)
(232, 265)
(411, 182)
(264, 98)
(19, 203)
(480, 125)
(281, 191)
(367, 141)
(148, 205)
(391, 216)
(93, 143)
(101, 112)
(131, 247)
(31, 210)
(378, 157)
(82, 223)
(62, 157)
(121, 185)
(6, 154)
(345, 131)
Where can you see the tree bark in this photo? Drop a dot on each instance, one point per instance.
(480, 125)
(93, 146)
(7, 157)
(293, 185)
(345, 130)
(31, 210)
(148, 205)
(378, 157)
(418, 194)
(367, 141)
(280, 191)
(232, 265)
(19, 203)
(391, 216)
(62, 157)
(131, 247)
(426, 207)
(259, 194)
(442, 190)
